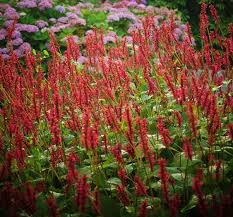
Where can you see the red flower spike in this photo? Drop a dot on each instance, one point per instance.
(30, 198)
(174, 204)
(164, 176)
(82, 193)
(204, 22)
(72, 159)
(143, 209)
(197, 184)
(218, 168)
(96, 202)
(164, 133)
(230, 131)
(188, 150)
(116, 151)
(52, 206)
(130, 151)
(40, 187)
(85, 130)
(130, 133)
(142, 123)
(122, 195)
(193, 121)
(72, 51)
(149, 155)
(122, 175)
(178, 118)
(140, 188)
(214, 14)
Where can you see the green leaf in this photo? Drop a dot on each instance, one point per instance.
(99, 180)
(110, 207)
(41, 208)
(192, 203)
(45, 53)
(40, 36)
(85, 170)
(114, 181)
(110, 163)
(129, 168)
(177, 176)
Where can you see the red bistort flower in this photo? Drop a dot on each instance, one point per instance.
(164, 176)
(52, 206)
(140, 188)
(123, 196)
(143, 209)
(82, 193)
(164, 132)
(188, 150)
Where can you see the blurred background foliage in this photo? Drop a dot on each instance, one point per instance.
(190, 9)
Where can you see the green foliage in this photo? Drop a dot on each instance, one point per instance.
(120, 27)
(190, 9)
(95, 19)
(59, 98)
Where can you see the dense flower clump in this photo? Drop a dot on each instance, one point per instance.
(69, 17)
(139, 125)
(41, 4)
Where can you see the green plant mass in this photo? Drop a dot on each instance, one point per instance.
(116, 109)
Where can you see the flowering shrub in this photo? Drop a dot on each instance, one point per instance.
(140, 129)
(34, 19)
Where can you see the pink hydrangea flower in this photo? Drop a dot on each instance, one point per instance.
(11, 14)
(27, 28)
(45, 4)
(41, 24)
(17, 41)
(27, 4)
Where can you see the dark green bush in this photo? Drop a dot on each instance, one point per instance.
(190, 10)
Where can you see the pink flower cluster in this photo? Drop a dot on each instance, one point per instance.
(40, 4)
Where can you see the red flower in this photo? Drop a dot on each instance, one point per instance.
(116, 151)
(143, 208)
(82, 193)
(178, 118)
(218, 167)
(142, 124)
(30, 198)
(148, 153)
(122, 176)
(174, 204)
(164, 176)
(56, 155)
(40, 187)
(204, 22)
(52, 205)
(164, 133)
(72, 51)
(71, 177)
(214, 14)
(123, 196)
(130, 132)
(72, 160)
(230, 130)
(197, 184)
(188, 150)
(192, 118)
(89, 134)
(140, 188)
(130, 151)
(96, 201)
